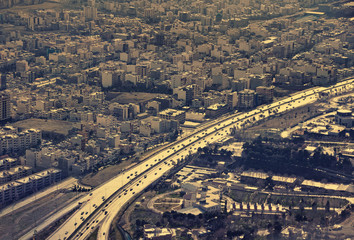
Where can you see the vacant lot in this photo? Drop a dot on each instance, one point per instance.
(27, 8)
(12, 226)
(134, 97)
(290, 118)
(96, 179)
(46, 125)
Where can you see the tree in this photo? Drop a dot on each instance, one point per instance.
(269, 183)
(327, 207)
(277, 227)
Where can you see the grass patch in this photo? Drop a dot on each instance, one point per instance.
(166, 207)
(174, 195)
(143, 214)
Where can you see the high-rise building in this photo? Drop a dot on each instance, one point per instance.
(2, 81)
(22, 66)
(5, 112)
(90, 11)
(247, 99)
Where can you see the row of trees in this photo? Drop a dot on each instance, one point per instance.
(78, 188)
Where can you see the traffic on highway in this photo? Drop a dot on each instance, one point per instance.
(100, 206)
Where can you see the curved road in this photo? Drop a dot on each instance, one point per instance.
(99, 208)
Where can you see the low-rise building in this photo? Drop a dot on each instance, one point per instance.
(154, 233)
(173, 114)
(345, 118)
(7, 163)
(24, 186)
(18, 142)
(216, 110)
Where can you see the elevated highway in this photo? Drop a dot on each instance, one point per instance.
(99, 207)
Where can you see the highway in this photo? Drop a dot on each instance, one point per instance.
(101, 205)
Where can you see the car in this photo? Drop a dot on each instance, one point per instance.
(105, 213)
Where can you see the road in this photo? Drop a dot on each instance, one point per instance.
(293, 101)
(99, 207)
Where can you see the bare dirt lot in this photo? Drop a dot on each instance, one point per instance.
(95, 179)
(347, 231)
(290, 118)
(46, 125)
(28, 8)
(13, 225)
(133, 97)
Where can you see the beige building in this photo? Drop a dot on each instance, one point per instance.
(172, 114)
